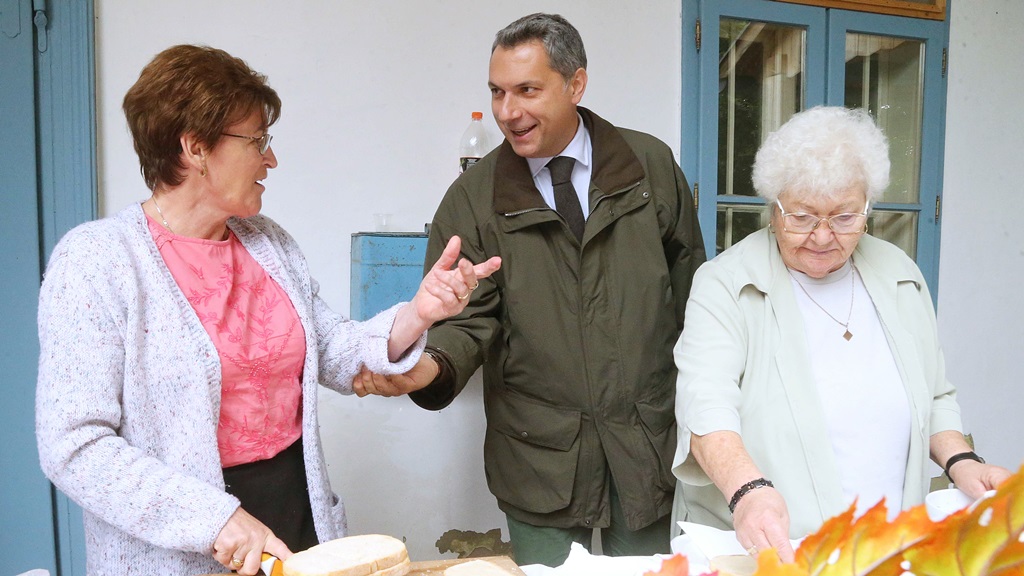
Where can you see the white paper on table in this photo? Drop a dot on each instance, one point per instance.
(712, 542)
(582, 563)
(698, 563)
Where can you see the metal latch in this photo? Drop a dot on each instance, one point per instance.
(40, 19)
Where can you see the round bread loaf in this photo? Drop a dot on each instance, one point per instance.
(366, 555)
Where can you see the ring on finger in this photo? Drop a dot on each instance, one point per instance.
(752, 551)
(236, 562)
(464, 296)
(474, 286)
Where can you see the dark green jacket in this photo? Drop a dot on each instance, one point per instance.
(576, 342)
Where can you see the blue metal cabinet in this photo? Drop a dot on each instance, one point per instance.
(387, 268)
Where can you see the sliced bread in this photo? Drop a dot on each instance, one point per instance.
(365, 555)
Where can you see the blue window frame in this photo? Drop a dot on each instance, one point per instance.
(750, 64)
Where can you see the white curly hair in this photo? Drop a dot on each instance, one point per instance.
(821, 153)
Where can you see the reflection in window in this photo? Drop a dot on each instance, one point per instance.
(885, 75)
(736, 222)
(761, 74)
(900, 228)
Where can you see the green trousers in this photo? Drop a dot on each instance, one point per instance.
(550, 546)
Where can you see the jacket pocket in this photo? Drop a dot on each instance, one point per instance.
(530, 452)
(658, 423)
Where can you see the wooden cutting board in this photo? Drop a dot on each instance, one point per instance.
(436, 567)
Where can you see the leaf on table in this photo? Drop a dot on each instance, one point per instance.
(769, 564)
(876, 545)
(983, 541)
(868, 545)
(816, 550)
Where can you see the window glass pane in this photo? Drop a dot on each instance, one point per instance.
(760, 73)
(886, 75)
(736, 222)
(900, 228)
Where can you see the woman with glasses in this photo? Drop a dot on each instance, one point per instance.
(810, 374)
(183, 342)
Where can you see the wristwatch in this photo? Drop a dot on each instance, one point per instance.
(437, 360)
(961, 456)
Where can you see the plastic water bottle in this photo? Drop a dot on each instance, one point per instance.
(473, 145)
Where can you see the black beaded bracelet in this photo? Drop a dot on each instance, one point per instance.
(961, 456)
(742, 491)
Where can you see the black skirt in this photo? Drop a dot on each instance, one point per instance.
(274, 491)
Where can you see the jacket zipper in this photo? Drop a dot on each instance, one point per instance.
(519, 212)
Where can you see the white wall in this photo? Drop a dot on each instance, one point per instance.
(981, 274)
(376, 95)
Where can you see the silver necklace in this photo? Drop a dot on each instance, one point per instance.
(164, 220)
(846, 325)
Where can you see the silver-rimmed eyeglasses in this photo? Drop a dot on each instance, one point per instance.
(845, 223)
(262, 142)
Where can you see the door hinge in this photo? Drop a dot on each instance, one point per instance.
(696, 35)
(945, 61)
(40, 19)
(696, 195)
(938, 208)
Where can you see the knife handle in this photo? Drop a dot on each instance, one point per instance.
(271, 566)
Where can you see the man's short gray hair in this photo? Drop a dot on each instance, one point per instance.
(561, 41)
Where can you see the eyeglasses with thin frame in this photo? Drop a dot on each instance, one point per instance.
(845, 223)
(262, 142)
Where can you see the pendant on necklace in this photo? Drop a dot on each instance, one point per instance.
(848, 335)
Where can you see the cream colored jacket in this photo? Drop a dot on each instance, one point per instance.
(743, 366)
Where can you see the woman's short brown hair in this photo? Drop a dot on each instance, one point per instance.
(191, 89)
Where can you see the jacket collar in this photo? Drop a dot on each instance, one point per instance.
(615, 167)
(871, 257)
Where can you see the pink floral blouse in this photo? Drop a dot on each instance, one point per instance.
(257, 334)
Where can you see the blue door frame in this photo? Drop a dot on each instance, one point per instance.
(47, 185)
(27, 531)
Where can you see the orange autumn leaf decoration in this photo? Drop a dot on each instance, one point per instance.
(879, 550)
(814, 552)
(676, 565)
(987, 540)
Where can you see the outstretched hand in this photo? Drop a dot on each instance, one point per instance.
(444, 292)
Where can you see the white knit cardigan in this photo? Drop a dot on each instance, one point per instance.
(129, 389)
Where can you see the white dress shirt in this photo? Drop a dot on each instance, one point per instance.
(579, 149)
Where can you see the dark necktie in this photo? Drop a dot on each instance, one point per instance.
(566, 201)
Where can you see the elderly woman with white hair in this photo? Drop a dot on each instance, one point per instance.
(810, 373)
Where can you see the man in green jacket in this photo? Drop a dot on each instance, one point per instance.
(575, 331)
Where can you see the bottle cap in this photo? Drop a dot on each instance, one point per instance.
(478, 115)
